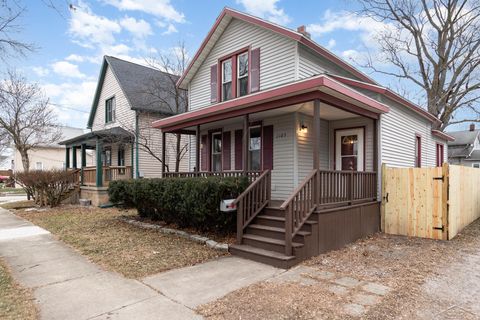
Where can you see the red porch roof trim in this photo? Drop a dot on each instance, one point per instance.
(390, 94)
(278, 29)
(234, 107)
(442, 135)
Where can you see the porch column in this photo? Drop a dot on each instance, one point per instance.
(164, 145)
(99, 167)
(74, 157)
(83, 161)
(197, 149)
(67, 158)
(316, 134)
(132, 160)
(245, 143)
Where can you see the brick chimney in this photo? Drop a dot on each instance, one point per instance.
(303, 30)
(472, 126)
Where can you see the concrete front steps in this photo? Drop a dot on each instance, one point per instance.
(264, 240)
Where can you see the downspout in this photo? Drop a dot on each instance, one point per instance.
(136, 145)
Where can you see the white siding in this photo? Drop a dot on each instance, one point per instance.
(277, 59)
(51, 158)
(124, 116)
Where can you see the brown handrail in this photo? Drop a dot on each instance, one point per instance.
(252, 175)
(252, 201)
(299, 206)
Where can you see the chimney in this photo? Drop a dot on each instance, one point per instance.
(303, 30)
(472, 126)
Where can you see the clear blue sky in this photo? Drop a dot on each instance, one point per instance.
(71, 42)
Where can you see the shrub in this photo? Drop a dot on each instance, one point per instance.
(187, 202)
(47, 187)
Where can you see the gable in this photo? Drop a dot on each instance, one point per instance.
(277, 58)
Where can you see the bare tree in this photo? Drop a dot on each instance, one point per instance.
(167, 94)
(25, 116)
(435, 45)
(11, 12)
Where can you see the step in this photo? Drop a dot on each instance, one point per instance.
(272, 258)
(271, 244)
(274, 211)
(272, 232)
(279, 222)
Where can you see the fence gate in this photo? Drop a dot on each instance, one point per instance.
(413, 201)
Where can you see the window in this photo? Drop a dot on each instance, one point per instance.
(227, 80)
(217, 151)
(254, 148)
(476, 165)
(439, 154)
(39, 166)
(121, 160)
(242, 72)
(349, 149)
(418, 151)
(110, 110)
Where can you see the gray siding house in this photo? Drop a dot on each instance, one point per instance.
(268, 102)
(128, 98)
(465, 150)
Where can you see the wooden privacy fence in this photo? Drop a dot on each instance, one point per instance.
(434, 203)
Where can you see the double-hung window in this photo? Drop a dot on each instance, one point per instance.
(110, 110)
(254, 147)
(227, 80)
(217, 151)
(242, 74)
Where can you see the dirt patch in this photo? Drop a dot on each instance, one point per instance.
(402, 264)
(15, 301)
(131, 251)
(18, 205)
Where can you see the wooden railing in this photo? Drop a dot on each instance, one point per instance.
(322, 188)
(110, 173)
(252, 175)
(299, 206)
(74, 176)
(89, 176)
(252, 201)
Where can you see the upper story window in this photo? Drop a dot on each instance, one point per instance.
(227, 80)
(110, 110)
(242, 72)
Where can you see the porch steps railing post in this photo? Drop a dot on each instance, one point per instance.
(288, 230)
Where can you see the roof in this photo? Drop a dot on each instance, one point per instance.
(442, 135)
(464, 137)
(114, 134)
(224, 18)
(146, 89)
(459, 151)
(313, 86)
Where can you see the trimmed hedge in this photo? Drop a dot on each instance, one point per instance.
(187, 202)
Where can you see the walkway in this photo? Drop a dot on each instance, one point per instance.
(67, 286)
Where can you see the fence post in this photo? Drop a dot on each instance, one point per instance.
(382, 197)
(445, 196)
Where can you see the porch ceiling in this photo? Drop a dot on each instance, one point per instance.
(330, 92)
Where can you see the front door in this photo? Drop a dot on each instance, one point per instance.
(349, 149)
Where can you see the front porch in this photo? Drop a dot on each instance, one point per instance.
(113, 154)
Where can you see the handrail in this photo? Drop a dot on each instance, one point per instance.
(251, 175)
(252, 201)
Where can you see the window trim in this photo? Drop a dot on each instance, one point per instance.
(41, 165)
(418, 150)
(440, 154)
(222, 82)
(114, 103)
(364, 148)
(233, 56)
(247, 75)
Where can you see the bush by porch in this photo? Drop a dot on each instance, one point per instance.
(187, 202)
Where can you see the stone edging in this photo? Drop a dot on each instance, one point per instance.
(193, 237)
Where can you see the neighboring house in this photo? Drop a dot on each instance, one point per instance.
(52, 156)
(465, 150)
(128, 98)
(264, 97)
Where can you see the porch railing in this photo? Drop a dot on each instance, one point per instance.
(89, 176)
(322, 188)
(252, 175)
(110, 173)
(252, 201)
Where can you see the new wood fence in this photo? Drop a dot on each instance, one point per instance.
(434, 203)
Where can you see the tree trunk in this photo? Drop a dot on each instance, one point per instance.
(178, 153)
(25, 160)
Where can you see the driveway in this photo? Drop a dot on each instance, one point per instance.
(67, 286)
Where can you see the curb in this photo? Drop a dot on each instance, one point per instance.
(193, 237)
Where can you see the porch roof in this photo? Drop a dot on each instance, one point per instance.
(320, 87)
(115, 134)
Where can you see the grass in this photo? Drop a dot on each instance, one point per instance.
(12, 190)
(15, 301)
(18, 205)
(117, 246)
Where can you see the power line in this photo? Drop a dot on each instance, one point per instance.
(68, 108)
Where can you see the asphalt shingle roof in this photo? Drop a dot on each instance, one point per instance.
(463, 137)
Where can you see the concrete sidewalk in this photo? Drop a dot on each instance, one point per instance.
(68, 286)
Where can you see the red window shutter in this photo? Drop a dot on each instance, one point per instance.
(226, 141)
(267, 146)
(238, 150)
(213, 83)
(204, 153)
(255, 70)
